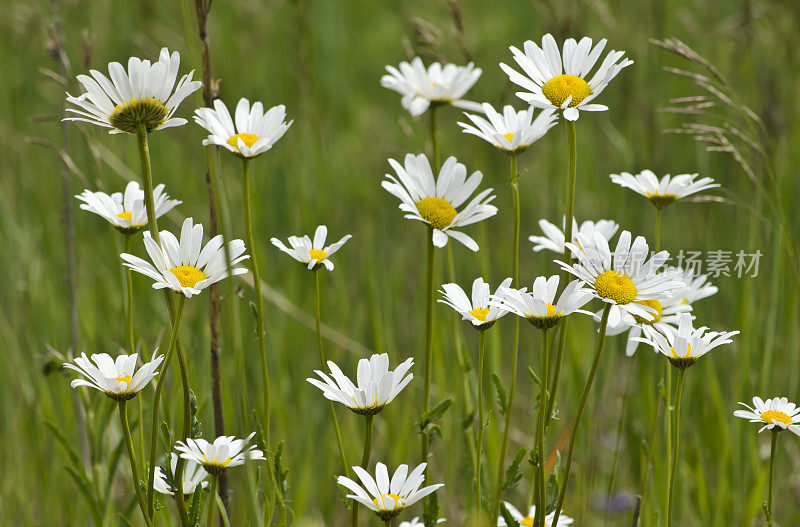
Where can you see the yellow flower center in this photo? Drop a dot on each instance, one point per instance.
(559, 88)
(148, 112)
(771, 416)
(317, 254)
(615, 286)
(527, 521)
(509, 137)
(215, 462)
(480, 313)
(661, 200)
(248, 139)
(688, 352)
(655, 304)
(125, 215)
(187, 275)
(438, 212)
(124, 378)
(398, 502)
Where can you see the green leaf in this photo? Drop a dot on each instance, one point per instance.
(434, 413)
(513, 475)
(502, 398)
(506, 514)
(430, 511)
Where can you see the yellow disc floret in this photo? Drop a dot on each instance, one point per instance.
(480, 313)
(509, 137)
(187, 275)
(615, 286)
(653, 304)
(527, 521)
(438, 212)
(380, 502)
(771, 417)
(248, 139)
(124, 378)
(559, 88)
(125, 215)
(317, 254)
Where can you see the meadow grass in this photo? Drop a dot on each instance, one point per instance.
(323, 61)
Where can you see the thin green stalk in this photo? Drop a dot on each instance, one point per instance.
(572, 172)
(262, 345)
(676, 441)
(147, 181)
(429, 267)
(772, 446)
(652, 440)
(212, 502)
(317, 314)
(479, 440)
(173, 337)
(129, 338)
(186, 432)
(514, 183)
(434, 139)
(657, 241)
(364, 459)
(126, 431)
(540, 498)
(601, 338)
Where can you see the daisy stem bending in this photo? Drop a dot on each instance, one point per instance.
(429, 266)
(262, 345)
(572, 171)
(317, 314)
(147, 181)
(126, 431)
(173, 338)
(676, 442)
(514, 183)
(364, 459)
(601, 339)
(772, 447)
(212, 502)
(540, 498)
(479, 440)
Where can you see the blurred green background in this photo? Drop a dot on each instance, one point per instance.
(323, 60)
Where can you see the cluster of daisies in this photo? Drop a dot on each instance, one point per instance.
(638, 294)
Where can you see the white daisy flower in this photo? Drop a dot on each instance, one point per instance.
(415, 522)
(437, 84)
(665, 320)
(776, 412)
(312, 254)
(684, 347)
(477, 310)
(385, 497)
(224, 452)
(553, 239)
(558, 80)
(435, 201)
(144, 95)
(119, 379)
(539, 306)
(511, 131)
(527, 520)
(376, 385)
(193, 475)
(624, 278)
(666, 190)
(126, 211)
(697, 285)
(254, 133)
(183, 266)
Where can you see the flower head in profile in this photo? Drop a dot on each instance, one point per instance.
(126, 211)
(376, 385)
(558, 79)
(435, 201)
(697, 285)
(223, 453)
(662, 192)
(118, 378)
(186, 266)
(625, 278)
(553, 239)
(528, 520)
(476, 309)
(775, 414)
(193, 475)
(312, 254)
(421, 87)
(253, 131)
(510, 131)
(539, 306)
(144, 96)
(684, 347)
(385, 497)
(415, 522)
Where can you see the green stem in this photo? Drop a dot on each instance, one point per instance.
(147, 182)
(430, 263)
(186, 432)
(129, 338)
(514, 183)
(601, 338)
(657, 243)
(434, 139)
(772, 447)
(652, 440)
(540, 498)
(676, 442)
(123, 417)
(212, 502)
(173, 337)
(262, 345)
(318, 316)
(364, 459)
(479, 440)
